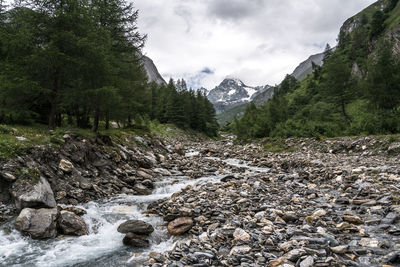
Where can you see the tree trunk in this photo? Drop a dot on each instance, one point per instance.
(53, 100)
(95, 127)
(344, 111)
(53, 109)
(107, 120)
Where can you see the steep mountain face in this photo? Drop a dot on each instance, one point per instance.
(151, 70)
(305, 68)
(231, 93)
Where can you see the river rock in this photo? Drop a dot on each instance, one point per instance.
(307, 262)
(31, 195)
(8, 177)
(179, 149)
(137, 241)
(136, 227)
(142, 190)
(66, 166)
(352, 219)
(241, 235)
(180, 226)
(71, 224)
(37, 223)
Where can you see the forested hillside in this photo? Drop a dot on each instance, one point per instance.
(79, 63)
(356, 91)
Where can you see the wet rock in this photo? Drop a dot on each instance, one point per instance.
(136, 227)
(142, 190)
(37, 223)
(71, 224)
(76, 210)
(136, 241)
(66, 166)
(33, 194)
(180, 226)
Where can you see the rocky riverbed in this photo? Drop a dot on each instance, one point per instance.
(328, 203)
(214, 203)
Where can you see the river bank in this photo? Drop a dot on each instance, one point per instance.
(314, 203)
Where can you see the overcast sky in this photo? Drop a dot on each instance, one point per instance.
(258, 41)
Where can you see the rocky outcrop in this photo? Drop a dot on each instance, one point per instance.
(151, 70)
(305, 68)
(33, 194)
(71, 224)
(37, 223)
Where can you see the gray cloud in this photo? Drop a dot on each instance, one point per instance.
(235, 9)
(258, 41)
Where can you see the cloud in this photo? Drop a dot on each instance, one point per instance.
(258, 41)
(234, 9)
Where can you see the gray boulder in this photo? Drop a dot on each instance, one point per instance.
(38, 224)
(136, 241)
(71, 224)
(136, 227)
(33, 194)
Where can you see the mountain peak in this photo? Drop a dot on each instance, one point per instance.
(232, 92)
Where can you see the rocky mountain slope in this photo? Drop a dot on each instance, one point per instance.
(151, 70)
(305, 67)
(233, 92)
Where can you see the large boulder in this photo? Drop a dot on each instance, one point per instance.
(38, 224)
(137, 241)
(33, 193)
(136, 227)
(180, 226)
(71, 224)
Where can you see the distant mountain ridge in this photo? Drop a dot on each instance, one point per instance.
(233, 92)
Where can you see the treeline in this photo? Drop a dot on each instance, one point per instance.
(78, 62)
(182, 107)
(357, 91)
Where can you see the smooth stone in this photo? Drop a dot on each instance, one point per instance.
(180, 226)
(136, 227)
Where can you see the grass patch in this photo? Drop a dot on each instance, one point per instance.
(277, 146)
(28, 175)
